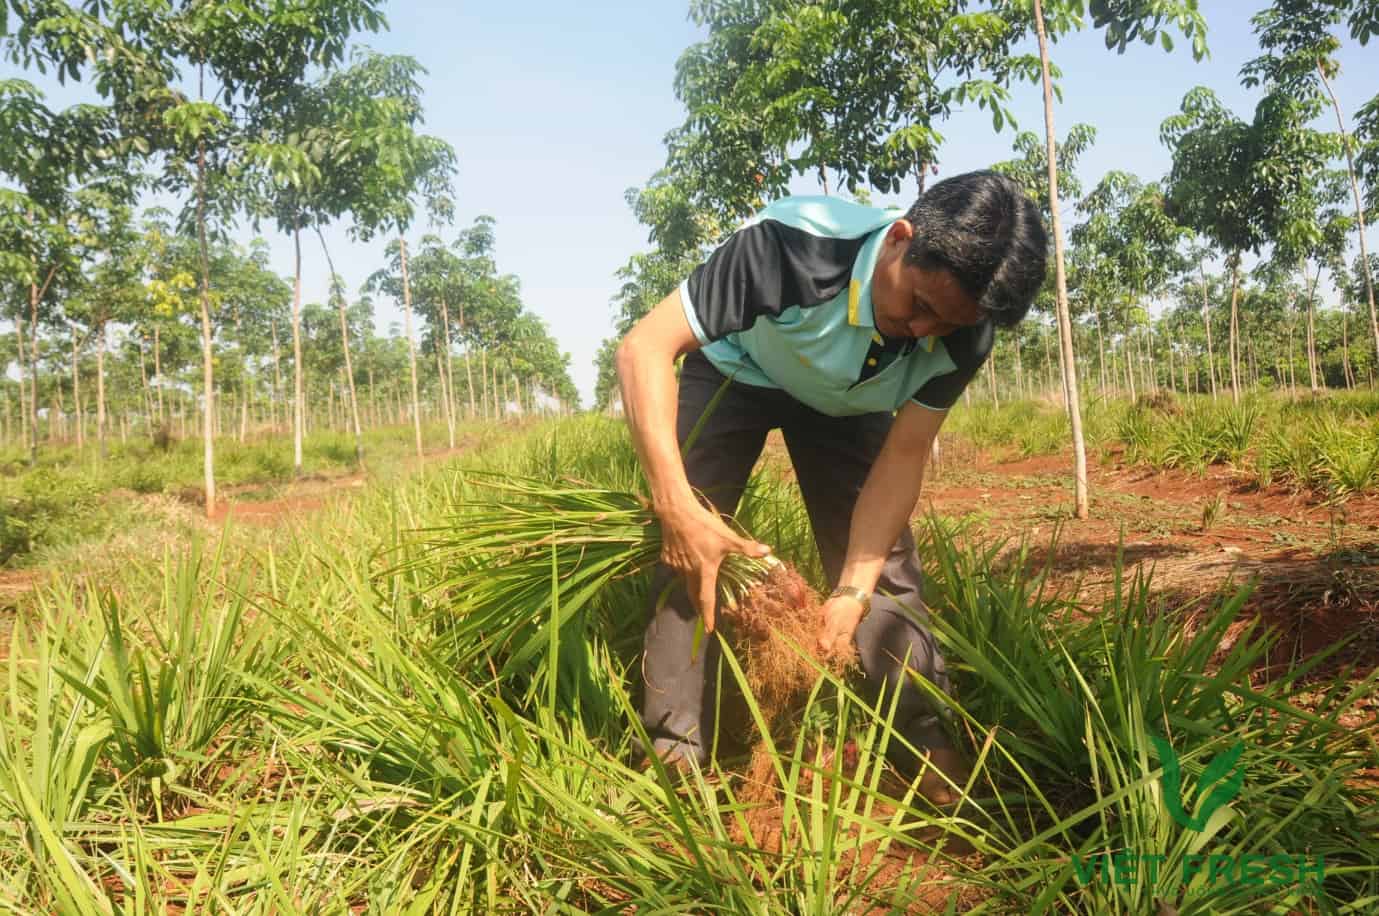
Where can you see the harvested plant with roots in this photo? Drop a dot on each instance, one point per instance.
(518, 537)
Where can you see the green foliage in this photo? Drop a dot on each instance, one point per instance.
(367, 764)
(1327, 445)
(168, 695)
(1073, 769)
(46, 507)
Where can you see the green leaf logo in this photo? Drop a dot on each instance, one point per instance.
(1214, 789)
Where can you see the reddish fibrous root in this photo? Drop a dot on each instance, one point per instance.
(776, 629)
(777, 626)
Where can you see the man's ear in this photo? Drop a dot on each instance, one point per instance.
(900, 231)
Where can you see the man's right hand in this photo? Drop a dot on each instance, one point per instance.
(694, 541)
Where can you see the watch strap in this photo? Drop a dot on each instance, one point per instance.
(856, 594)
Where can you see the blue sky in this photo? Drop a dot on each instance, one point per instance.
(556, 108)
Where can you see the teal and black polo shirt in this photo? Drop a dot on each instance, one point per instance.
(785, 303)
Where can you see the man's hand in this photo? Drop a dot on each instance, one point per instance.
(838, 622)
(694, 542)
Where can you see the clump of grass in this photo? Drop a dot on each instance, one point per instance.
(374, 770)
(516, 537)
(1067, 706)
(1212, 510)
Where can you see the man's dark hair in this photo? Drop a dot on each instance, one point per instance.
(988, 232)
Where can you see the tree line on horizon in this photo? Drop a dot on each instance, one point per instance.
(127, 316)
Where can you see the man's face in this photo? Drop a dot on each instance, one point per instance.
(910, 301)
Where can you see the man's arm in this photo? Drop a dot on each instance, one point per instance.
(883, 509)
(694, 539)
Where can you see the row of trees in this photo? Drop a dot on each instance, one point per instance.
(855, 93)
(241, 110)
(135, 366)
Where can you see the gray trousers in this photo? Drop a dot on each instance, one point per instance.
(831, 457)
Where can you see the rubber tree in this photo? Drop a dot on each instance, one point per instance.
(46, 157)
(1299, 40)
(1212, 189)
(1122, 21)
(397, 167)
(852, 90)
(475, 245)
(1133, 240)
(110, 289)
(437, 281)
(242, 54)
(317, 152)
(1030, 168)
(1312, 227)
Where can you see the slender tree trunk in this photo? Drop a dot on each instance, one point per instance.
(207, 359)
(468, 370)
(1128, 345)
(349, 366)
(1235, 327)
(1206, 323)
(452, 407)
(1359, 209)
(158, 372)
(76, 390)
(1019, 366)
(1048, 359)
(143, 380)
(411, 344)
(245, 393)
(445, 397)
(101, 343)
(373, 400)
(298, 382)
(1101, 352)
(1065, 329)
(991, 378)
(500, 404)
(1292, 381)
(483, 378)
(33, 373)
(1345, 348)
(1314, 363)
(277, 373)
(1151, 381)
(1168, 349)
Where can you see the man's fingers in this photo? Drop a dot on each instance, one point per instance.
(752, 548)
(828, 636)
(708, 597)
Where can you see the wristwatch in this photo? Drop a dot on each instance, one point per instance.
(856, 594)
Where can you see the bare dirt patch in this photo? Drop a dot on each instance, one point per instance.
(1314, 566)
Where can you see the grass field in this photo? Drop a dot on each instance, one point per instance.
(1327, 446)
(371, 709)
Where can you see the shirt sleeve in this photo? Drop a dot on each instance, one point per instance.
(763, 269)
(968, 348)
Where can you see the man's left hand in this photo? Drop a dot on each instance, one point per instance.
(838, 622)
